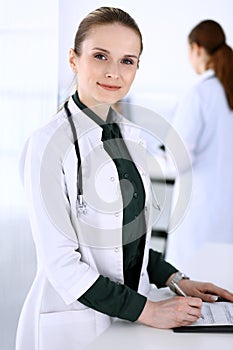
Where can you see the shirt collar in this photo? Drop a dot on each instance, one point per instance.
(209, 73)
(89, 112)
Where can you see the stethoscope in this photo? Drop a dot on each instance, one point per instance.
(80, 204)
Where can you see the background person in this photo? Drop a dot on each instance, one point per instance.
(204, 120)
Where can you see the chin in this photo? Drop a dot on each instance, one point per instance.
(110, 98)
(109, 101)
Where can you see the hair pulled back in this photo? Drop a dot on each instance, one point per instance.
(210, 35)
(101, 16)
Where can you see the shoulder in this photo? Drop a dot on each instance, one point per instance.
(208, 93)
(54, 137)
(45, 133)
(208, 83)
(53, 134)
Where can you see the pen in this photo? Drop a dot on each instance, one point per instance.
(181, 292)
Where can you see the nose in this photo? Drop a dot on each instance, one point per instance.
(112, 71)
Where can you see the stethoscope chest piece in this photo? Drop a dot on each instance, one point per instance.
(80, 205)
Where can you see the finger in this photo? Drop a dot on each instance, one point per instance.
(213, 290)
(196, 302)
(185, 320)
(192, 318)
(194, 311)
(212, 296)
(189, 319)
(209, 298)
(188, 323)
(225, 294)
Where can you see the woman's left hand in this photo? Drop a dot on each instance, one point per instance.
(208, 292)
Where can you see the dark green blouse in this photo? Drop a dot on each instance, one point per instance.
(106, 296)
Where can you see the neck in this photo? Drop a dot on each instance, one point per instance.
(101, 110)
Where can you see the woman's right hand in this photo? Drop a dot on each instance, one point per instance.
(170, 313)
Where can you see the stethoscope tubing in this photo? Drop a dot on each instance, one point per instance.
(81, 207)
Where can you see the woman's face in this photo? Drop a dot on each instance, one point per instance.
(198, 58)
(193, 56)
(107, 65)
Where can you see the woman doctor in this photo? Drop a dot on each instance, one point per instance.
(204, 119)
(94, 261)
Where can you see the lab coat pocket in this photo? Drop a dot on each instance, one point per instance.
(67, 330)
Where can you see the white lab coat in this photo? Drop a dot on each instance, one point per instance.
(52, 318)
(205, 123)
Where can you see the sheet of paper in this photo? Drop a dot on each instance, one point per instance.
(218, 313)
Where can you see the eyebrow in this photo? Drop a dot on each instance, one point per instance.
(108, 52)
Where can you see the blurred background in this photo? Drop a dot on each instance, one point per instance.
(35, 78)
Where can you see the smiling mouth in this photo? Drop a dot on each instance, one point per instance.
(109, 87)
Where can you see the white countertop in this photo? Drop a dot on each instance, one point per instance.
(131, 336)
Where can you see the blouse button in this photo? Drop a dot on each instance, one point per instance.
(112, 178)
(116, 250)
(116, 214)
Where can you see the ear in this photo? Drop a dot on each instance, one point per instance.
(196, 48)
(73, 61)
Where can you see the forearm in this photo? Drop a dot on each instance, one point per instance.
(116, 300)
(160, 272)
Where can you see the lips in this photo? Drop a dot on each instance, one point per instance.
(109, 87)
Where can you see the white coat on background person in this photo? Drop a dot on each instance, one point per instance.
(204, 120)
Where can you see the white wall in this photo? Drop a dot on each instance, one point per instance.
(164, 72)
(28, 97)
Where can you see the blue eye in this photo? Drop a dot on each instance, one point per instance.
(127, 61)
(100, 57)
